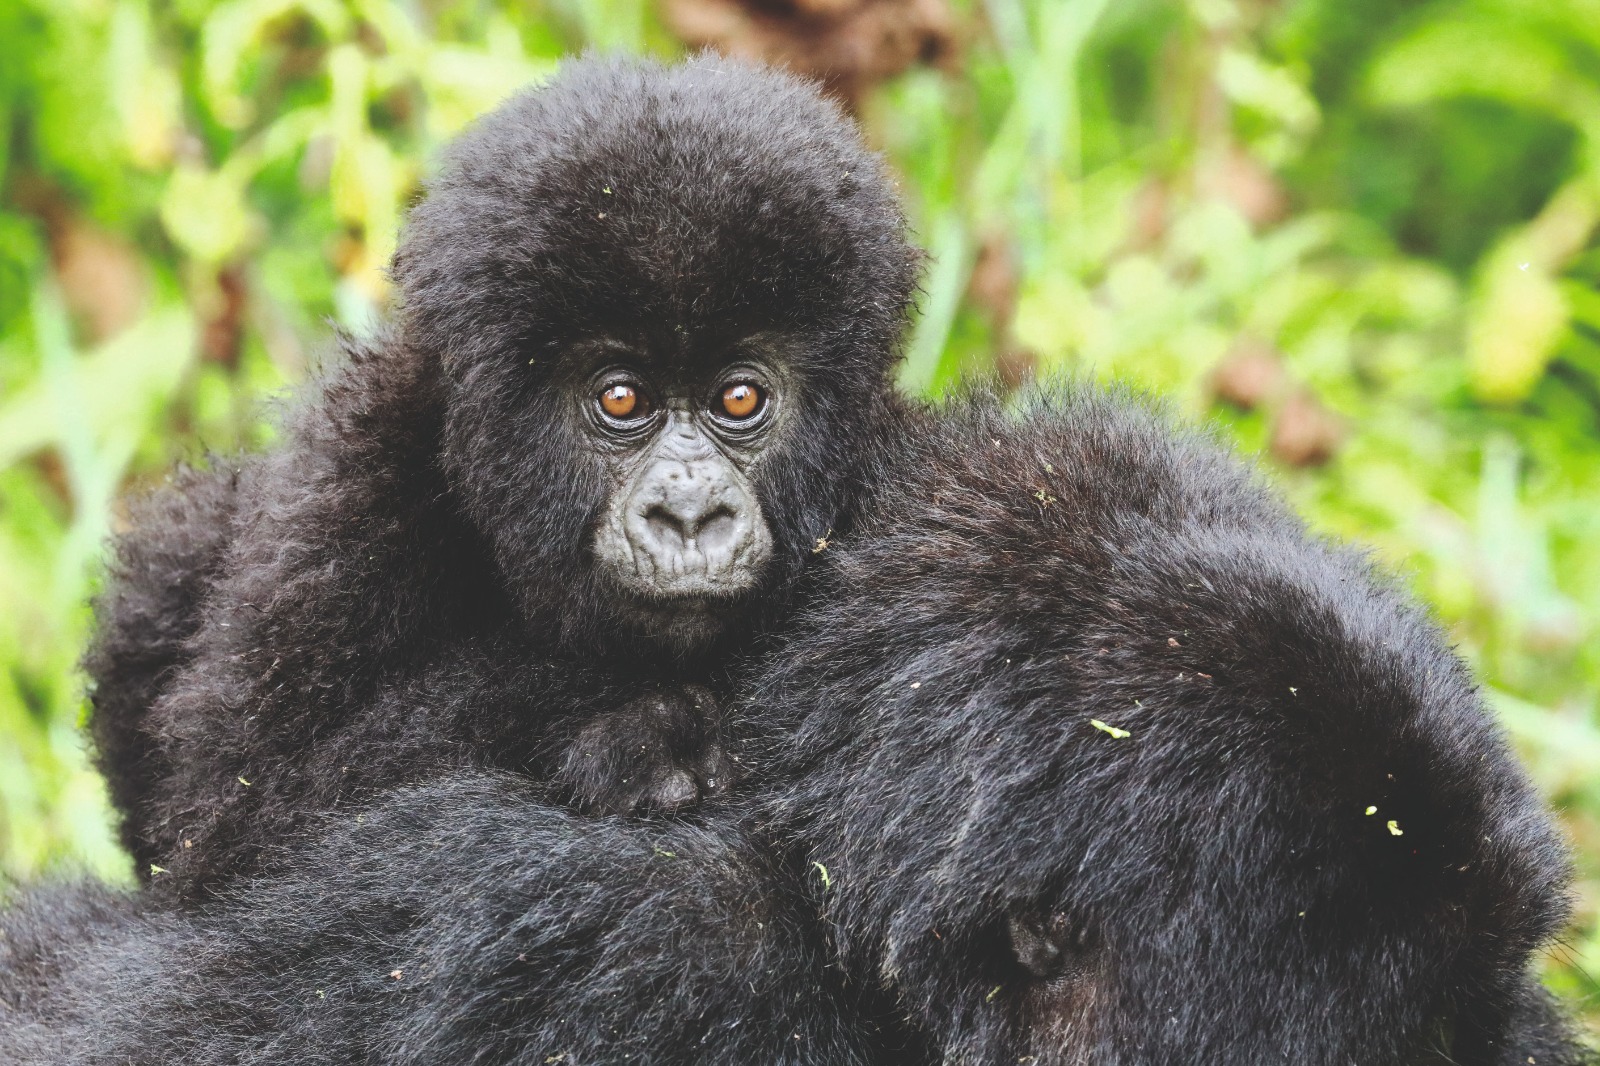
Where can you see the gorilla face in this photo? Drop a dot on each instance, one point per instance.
(683, 534)
(652, 487)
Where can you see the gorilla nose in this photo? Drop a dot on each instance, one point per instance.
(694, 527)
(692, 522)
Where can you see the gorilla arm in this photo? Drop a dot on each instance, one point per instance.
(458, 921)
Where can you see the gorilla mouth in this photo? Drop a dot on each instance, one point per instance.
(684, 624)
(697, 571)
(684, 586)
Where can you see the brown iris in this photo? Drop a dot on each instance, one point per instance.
(622, 401)
(742, 400)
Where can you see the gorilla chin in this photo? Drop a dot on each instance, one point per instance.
(682, 626)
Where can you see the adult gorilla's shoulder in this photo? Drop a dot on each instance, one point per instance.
(1109, 760)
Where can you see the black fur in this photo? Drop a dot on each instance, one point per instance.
(405, 585)
(460, 921)
(1210, 887)
(148, 612)
(940, 857)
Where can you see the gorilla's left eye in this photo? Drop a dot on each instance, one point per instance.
(741, 401)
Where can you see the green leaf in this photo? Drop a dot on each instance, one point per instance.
(1487, 57)
(114, 387)
(205, 213)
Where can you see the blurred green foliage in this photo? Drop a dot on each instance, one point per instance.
(1360, 232)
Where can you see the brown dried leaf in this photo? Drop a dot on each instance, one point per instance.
(101, 276)
(1236, 177)
(1248, 376)
(848, 45)
(1305, 433)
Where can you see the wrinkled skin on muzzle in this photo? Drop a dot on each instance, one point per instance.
(687, 523)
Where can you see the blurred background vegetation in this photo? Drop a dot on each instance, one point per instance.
(1361, 233)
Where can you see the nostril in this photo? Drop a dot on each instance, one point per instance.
(665, 526)
(717, 530)
(713, 531)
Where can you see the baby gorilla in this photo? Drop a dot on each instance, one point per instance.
(641, 355)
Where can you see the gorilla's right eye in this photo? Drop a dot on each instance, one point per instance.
(623, 402)
(741, 401)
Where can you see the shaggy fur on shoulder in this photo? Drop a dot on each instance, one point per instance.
(1084, 752)
(146, 615)
(404, 584)
(1110, 762)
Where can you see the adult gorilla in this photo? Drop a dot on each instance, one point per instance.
(1083, 752)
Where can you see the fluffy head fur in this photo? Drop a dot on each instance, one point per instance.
(676, 211)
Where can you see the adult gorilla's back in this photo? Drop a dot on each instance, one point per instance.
(943, 858)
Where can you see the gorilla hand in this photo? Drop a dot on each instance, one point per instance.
(662, 750)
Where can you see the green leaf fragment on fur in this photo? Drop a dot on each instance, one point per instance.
(827, 882)
(1111, 730)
